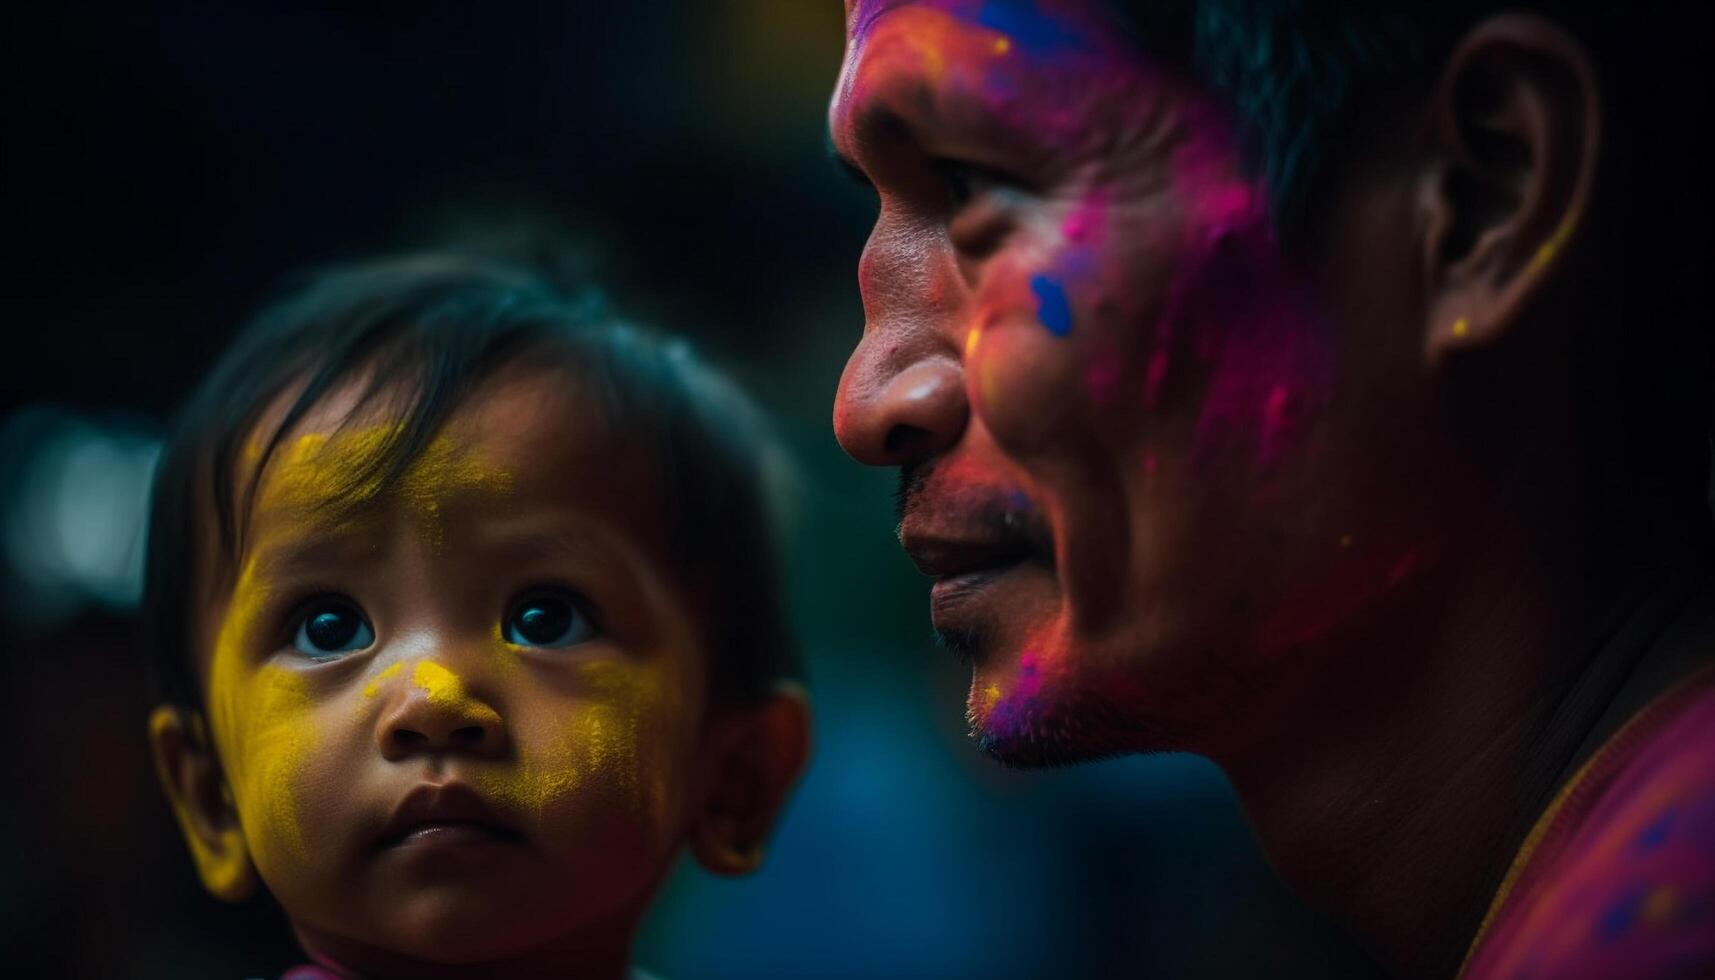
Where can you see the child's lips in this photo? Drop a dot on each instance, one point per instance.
(445, 815)
(453, 834)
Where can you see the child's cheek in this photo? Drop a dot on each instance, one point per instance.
(282, 738)
(603, 767)
(271, 735)
(263, 723)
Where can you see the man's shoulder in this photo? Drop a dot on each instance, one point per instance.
(1627, 887)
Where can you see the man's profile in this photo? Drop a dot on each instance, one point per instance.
(1323, 388)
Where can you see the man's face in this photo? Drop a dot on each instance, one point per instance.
(1135, 455)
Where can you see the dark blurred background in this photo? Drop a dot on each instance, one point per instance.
(163, 165)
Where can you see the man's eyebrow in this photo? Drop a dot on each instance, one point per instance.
(845, 164)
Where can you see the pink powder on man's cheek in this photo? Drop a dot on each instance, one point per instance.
(1252, 323)
(1086, 225)
(1271, 366)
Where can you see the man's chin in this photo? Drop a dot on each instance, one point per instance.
(1036, 715)
(1035, 733)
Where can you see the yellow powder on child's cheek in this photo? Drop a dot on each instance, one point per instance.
(263, 726)
(228, 657)
(596, 749)
(282, 737)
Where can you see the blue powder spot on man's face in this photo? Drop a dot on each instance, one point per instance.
(1051, 306)
(1027, 27)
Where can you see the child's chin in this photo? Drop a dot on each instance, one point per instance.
(455, 929)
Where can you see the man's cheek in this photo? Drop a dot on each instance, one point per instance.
(1015, 376)
(1261, 349)
(1056, 370)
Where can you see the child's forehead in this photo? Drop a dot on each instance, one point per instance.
(537, 435)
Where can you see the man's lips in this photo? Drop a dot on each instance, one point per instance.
(948, 540)
(944, 558)
(445, 815)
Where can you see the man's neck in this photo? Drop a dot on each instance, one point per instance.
(1399, 801)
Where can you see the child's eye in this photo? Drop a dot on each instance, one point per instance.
(330, 627)
(548, 618)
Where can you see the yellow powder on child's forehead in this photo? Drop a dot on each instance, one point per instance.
(317, 470)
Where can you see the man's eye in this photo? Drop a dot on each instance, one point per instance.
(331, 627)
(966, 181)
(548, 618)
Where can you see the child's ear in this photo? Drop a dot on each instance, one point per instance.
(757, 754)
(202, 802)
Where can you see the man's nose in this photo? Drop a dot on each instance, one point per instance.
(437, 714)
(902, 396)
(891, 414)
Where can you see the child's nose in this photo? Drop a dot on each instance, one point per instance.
(437, 714)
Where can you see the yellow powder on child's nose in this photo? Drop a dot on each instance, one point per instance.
(441, 685)
(447, 691)
(374, 686)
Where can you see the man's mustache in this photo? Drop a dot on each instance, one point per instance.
(1002, 513)
(913, 477)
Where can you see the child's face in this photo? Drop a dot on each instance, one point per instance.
(460, 718)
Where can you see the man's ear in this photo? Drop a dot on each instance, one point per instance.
(1516, 126)
(755, 755)
(202, 802)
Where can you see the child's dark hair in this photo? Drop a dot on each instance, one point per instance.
(435, 325)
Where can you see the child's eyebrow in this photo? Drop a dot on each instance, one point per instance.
(552, 536)
(545, 538)
(314, 550)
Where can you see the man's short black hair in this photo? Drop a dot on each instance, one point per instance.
(434, 326)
